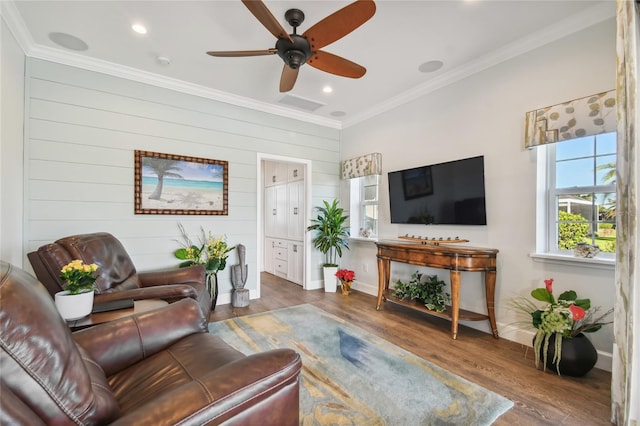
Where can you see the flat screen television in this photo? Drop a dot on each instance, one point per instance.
(450, 193)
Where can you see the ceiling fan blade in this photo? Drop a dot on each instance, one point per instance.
(288, 78)
(266, 18)
(340, 23)
(237, 53)
(337, 65)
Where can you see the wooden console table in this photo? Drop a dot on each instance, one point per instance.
(456, 259)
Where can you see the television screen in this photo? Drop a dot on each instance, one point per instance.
(450, 193)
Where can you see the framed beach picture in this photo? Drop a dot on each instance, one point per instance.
(176, 184)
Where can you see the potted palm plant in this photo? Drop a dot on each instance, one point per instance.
(332, 235)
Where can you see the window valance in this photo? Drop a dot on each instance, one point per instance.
(582, 117)
(370, 164)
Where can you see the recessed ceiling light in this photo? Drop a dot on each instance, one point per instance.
(68, 41)
(139, 28)
(327, 89)
(430, 66)
(338, 113)
(163, 60)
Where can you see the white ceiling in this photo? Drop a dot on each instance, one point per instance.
(467, 35)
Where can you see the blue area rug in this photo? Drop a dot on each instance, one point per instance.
(352, 377)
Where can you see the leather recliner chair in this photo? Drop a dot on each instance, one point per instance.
(117, 276)
(155, 368)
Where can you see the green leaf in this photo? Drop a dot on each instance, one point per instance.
(568, 295)
(583, 303)
(543, 295)
(536, 317)
(181, 253)
(592, 329)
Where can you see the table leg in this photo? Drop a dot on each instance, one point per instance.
(383, 279)
(490, 288)
(455, 302)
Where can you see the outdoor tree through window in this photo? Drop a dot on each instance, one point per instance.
(582, 193)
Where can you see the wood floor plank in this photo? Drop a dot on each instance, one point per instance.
(507, 368)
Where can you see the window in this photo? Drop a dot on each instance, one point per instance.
(581, 193)
(364, 206)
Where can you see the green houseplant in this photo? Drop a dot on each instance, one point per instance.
(429, 292)
(211, 252)
(332, 236)
(560, 325)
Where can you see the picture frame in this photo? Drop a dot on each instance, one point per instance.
(180, 185)
(417, 182)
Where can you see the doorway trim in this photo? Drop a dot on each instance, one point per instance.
(261, 157)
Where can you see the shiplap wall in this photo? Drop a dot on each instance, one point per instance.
(82, 128)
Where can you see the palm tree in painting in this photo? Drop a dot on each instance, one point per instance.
(161, 167)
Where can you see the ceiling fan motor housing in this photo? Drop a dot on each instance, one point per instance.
(294, 54)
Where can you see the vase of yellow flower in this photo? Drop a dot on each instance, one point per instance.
(212, 253)
(76, 300)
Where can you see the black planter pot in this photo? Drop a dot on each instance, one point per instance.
(577, 358)
(212, 287)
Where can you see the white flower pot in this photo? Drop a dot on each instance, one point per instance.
(74, 306)
(330, 279)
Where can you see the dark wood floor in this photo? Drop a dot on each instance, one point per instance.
(499, 365)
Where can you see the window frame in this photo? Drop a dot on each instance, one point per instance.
(359, 206)
(547, 206)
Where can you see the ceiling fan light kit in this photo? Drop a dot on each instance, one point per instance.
(297, 50)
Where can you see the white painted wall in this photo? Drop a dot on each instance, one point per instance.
(82, 128)
(11, 120)
(484, 115)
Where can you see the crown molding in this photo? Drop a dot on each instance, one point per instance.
(18, 28)
(16, 25)
(591, 16)
(600, 12)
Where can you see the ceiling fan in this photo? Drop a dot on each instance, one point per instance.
(296, 50)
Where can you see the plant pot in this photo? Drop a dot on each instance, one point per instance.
(346, 287)
(74, 306)
(577, 357)
(212, 287)
(330, 279)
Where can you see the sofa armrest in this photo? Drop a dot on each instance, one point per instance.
(139, 336)
(170, 293)
(192, 274)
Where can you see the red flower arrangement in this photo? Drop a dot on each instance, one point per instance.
(565, 317)
(345, 275)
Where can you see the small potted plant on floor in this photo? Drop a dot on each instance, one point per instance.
(346, 277)
(76, 300)
(332, 235)
(559, 342)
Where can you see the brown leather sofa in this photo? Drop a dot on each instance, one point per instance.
(155, 368)
(117, 276)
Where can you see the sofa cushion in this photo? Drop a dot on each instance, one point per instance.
(41, 364)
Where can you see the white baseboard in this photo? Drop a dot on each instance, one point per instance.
(314, 285)
(225, 299)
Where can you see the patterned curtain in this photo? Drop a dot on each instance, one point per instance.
(625, 381)
(370, 164)
(586, 116)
